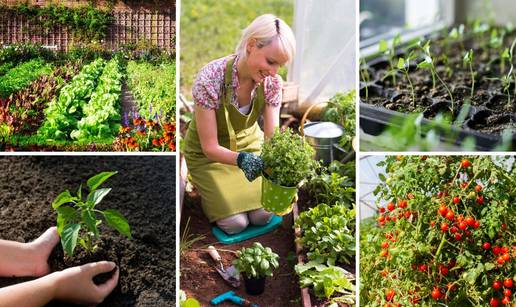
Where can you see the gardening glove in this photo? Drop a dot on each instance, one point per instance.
(251, 164)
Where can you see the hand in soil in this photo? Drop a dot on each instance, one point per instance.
(41, 248)
(27, 259)
(76, 284)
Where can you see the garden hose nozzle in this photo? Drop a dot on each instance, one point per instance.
(232, 297)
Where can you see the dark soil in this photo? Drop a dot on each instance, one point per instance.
(488, 97)
(143, 191)
(200, 280)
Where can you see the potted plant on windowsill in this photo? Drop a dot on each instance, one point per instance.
(256, 263)
(288, 160)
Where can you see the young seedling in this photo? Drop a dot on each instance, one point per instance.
(457, 34)
(404, 65)
(468, 61)
(366, 78)
(390, 52)
(428, 63)
(77, 216)
(504, 56)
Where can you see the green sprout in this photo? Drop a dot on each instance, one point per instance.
(390, 52)
(504, 56)
(457, 34)
(366, 78)
(468, 60)
(428, 63)
(404, 65)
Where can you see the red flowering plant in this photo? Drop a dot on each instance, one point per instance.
(141, 134)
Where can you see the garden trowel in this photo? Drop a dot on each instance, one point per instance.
(230, 274)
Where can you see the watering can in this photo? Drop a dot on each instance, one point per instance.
(324, 138)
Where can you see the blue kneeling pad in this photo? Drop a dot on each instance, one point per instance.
(250, 232)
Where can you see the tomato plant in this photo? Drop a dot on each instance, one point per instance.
(462, 258)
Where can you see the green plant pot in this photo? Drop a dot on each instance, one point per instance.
(276, 198)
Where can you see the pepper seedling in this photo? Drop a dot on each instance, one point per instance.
(390, 52)
(77, 217)
(468, 61)
(428, 63)
(404, 65)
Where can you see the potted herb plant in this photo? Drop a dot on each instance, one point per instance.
(256, 263)
(288, 160)
(77, 216)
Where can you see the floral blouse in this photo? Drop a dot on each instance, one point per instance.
(207, 88)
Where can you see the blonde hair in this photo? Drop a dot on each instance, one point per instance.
(264, 29)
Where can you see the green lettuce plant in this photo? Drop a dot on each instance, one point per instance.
(328, 233)
(77, 220)
(256, 261)
(288, 158)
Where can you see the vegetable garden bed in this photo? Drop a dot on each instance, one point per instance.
(465, 74)
(143, 190)
(59, 104)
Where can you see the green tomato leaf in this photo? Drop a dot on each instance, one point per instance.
(63, 198)
(116, 220)
(69, 237)
(98, 179)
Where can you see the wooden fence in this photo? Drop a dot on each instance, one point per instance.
(156, 28)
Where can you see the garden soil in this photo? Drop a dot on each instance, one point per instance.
(143, 191)
(200, 280)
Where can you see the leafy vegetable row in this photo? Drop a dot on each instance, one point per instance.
(102, 113)
(64, 113)
(154, 88)
(22, 75)
(22, 112)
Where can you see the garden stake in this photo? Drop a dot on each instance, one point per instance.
(230, 296)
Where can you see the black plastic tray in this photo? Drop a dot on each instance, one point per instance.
(374, 120)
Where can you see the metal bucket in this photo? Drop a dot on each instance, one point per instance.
(324, 138)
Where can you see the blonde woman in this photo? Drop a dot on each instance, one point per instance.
(223, 140)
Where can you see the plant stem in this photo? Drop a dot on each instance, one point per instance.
(472, 79)
(443, 240)
(411, 87)
(447, 89)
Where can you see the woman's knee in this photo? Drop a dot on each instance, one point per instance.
(233, 224)
(259, 216)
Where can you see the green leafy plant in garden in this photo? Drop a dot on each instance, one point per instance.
(446, 235)
(256, 261)
(84, 22)
(154, 87)
(22, 75)
(77, 215)
(328, 233)
(101, 115)
(287, 158)
(64, 112)
(331, 282)
(340, 110)
(331, 187)
(468, 61)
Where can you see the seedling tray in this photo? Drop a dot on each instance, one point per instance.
(374, 120)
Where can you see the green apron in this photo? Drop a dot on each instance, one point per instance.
(224, 189)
